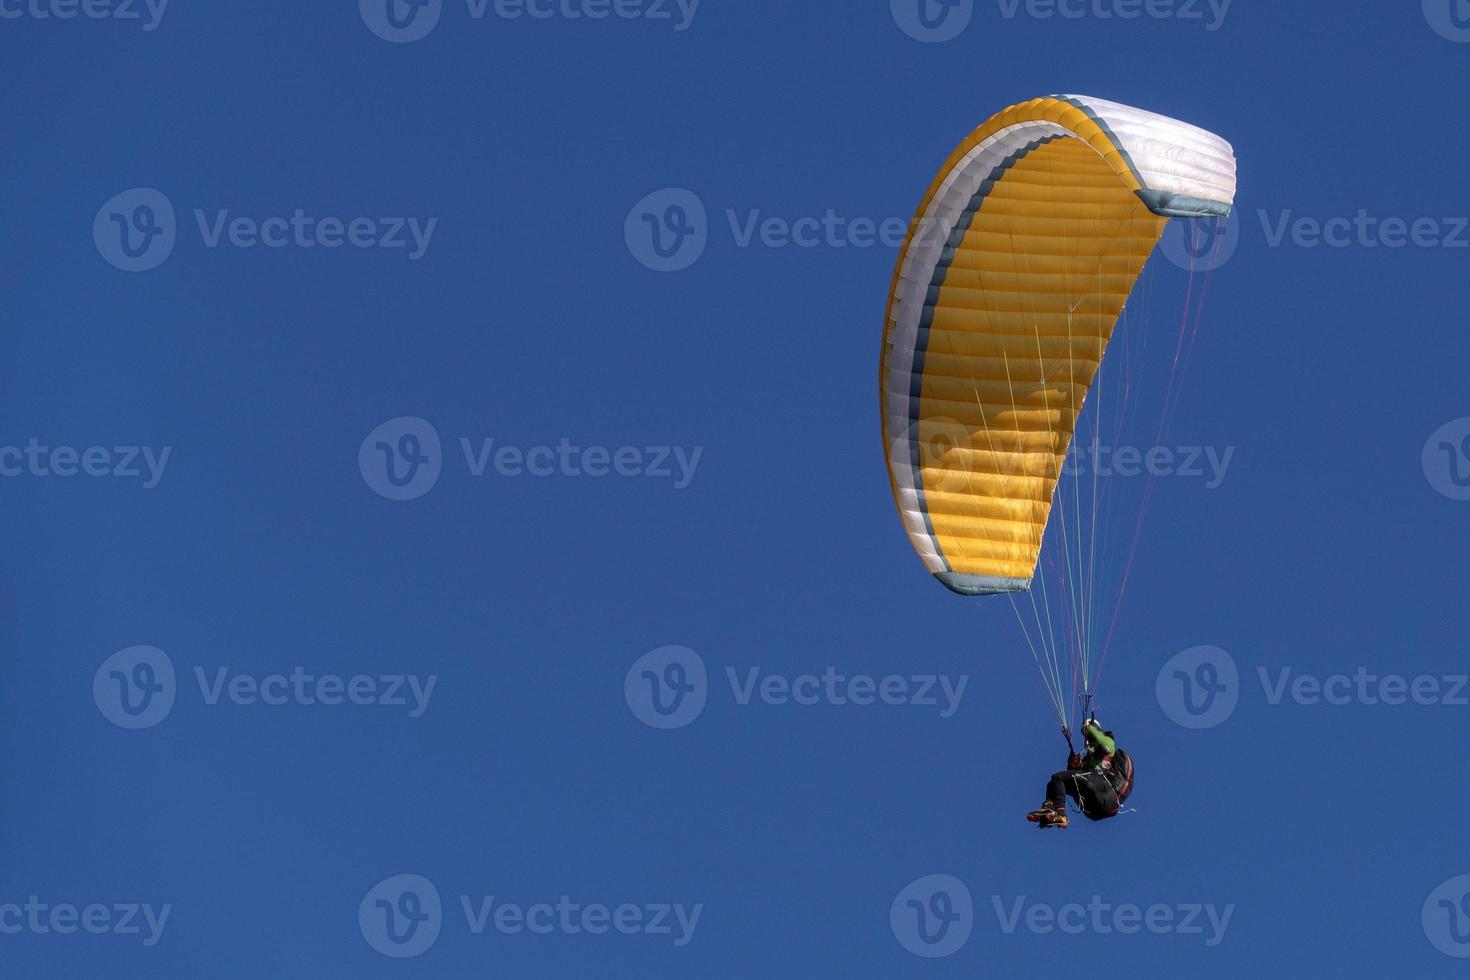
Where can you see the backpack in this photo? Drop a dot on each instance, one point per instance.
(1117, 774)
(1123, 773)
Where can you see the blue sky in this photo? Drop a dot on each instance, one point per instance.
(602, 460)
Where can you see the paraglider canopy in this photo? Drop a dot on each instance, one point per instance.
(1005, 296)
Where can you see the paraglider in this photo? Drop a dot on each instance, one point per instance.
(1099, 781)
(1006, 293)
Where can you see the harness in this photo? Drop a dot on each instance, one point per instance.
(1116, 771)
